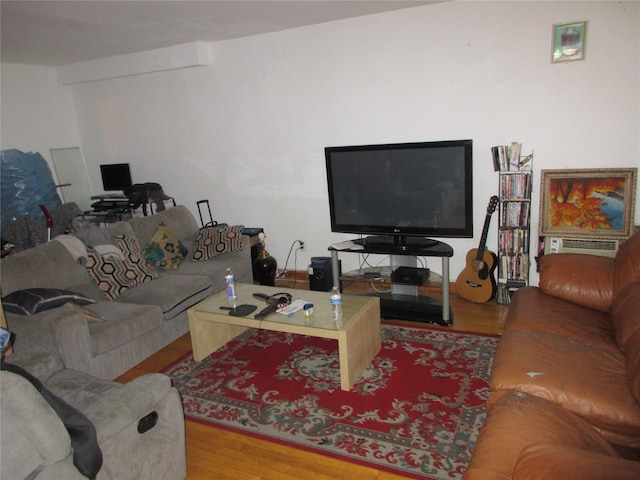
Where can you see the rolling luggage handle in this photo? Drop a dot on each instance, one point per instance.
(211, 223)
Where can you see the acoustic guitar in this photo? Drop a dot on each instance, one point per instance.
(476, 282)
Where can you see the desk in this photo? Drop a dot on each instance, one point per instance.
(107, 217)
(404, 302)
(109, 208)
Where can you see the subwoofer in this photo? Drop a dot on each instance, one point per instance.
(321, 274)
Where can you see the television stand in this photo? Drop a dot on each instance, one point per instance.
(404, 302)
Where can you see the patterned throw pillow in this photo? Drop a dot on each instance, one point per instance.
(164, 249)
(34, 300)
(115, 276)
(133, 257)
(212, 241)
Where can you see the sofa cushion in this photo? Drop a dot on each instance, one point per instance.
(178, 219)
(123, 323)
(625, 313)
(632, 361)
(164, 250)
(515, 421)
(556, 462)
(38, 361)
(172, 293)
(215, 269)
(91, 234)
(582, 279)
(627, 264)
(34, 300)
(49, 264)
(212, 241)
(531, 309)
(122, 228)
(587, 380)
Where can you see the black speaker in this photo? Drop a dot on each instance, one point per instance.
(321, 274)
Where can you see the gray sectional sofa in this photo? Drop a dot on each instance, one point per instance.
(139, 321)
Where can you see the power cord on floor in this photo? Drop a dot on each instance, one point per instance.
(295, 259)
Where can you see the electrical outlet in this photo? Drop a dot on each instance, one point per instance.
(301, 244)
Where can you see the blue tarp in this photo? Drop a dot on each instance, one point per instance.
(25, 183)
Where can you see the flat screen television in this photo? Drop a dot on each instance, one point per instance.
(115, 176)
(402, 192)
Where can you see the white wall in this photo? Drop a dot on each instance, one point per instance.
(248, 132)
(37, 114)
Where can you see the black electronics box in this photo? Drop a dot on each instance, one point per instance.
(410, 275)
(321, 274)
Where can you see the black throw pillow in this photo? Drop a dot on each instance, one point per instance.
(34, 300)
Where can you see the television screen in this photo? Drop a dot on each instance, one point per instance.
(115, 176)
(403, 189)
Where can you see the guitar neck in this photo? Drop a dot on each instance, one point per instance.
(485, 230)
(483, 238)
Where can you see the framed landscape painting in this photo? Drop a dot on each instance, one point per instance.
(591, 203)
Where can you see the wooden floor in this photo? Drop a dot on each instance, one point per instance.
(214, 453)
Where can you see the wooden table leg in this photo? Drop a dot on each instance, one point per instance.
(358, 344)
(207, 335)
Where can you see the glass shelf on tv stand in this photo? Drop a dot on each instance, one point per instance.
(404, 301)
(382, 275)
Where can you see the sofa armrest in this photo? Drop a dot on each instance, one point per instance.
(62, 330)
(130, 403)
(111, 406)
(586, 280)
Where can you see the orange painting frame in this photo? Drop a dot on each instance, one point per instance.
(588, 203)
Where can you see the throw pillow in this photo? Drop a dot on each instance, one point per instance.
(114, 275)
(164, 249)
(34, 300)
(133, 258)
(212, 241)
(111, 274)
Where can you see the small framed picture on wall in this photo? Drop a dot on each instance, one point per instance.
(569, 42)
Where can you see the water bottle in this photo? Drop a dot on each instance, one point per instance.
(336, 305)
(230, 285)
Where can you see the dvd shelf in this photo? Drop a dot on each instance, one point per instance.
(515, 183)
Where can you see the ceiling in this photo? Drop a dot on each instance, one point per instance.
(55, 33)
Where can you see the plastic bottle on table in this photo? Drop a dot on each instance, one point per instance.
(230, 285)
(336, 305)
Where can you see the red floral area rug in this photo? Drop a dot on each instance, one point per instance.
(415, 411)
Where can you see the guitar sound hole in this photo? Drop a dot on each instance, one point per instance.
(483, 273)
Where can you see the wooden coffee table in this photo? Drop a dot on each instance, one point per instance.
(358, 336)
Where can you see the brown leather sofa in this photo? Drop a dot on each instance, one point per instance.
(565, 382)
